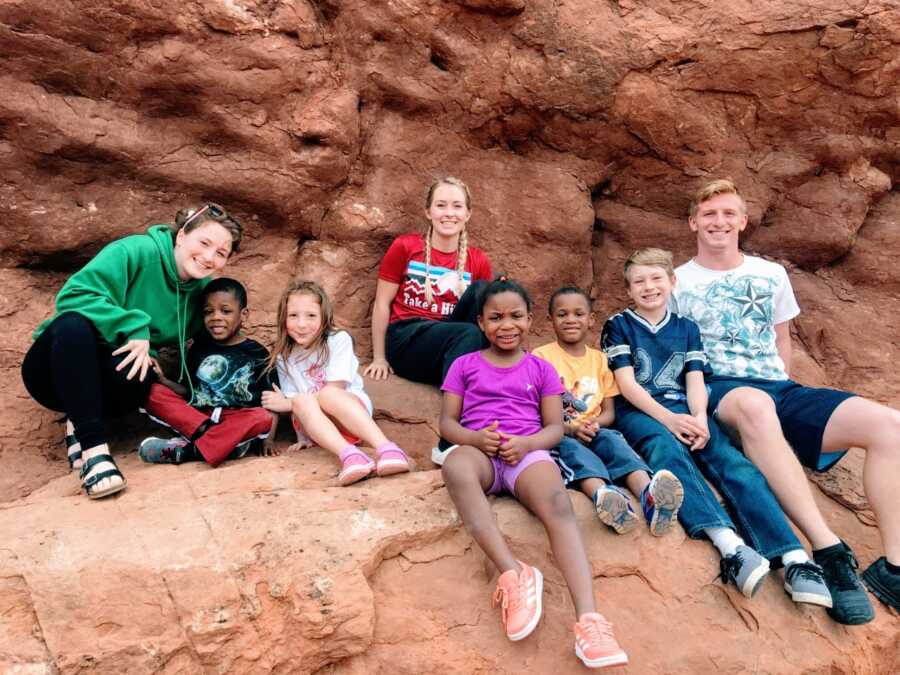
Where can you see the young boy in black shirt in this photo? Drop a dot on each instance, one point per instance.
(219, 413)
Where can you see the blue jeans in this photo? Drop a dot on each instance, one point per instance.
(744, 489)
(608, 456)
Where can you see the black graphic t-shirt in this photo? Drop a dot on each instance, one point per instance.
(228, 376)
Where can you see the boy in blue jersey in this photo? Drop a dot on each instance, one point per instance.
(659, 364)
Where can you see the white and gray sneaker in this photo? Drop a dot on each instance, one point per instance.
(805, 582)
(746, 568)
(438, 456)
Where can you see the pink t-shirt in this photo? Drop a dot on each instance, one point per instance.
(511, 396)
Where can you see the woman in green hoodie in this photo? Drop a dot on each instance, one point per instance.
(92, 358)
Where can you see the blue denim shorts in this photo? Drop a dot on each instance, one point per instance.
(803, 412)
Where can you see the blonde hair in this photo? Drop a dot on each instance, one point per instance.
(284, 345)
(650, 257)
(722, 186)
(462, 248)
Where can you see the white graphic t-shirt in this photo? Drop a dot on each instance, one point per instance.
(737, 311)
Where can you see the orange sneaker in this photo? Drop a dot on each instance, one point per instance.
(595, 644)
(519, 597)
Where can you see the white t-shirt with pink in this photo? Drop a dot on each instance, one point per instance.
(297, 376)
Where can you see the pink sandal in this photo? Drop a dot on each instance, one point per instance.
(355, 465)
(391, 460)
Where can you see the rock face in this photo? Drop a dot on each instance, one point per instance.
(582, 128)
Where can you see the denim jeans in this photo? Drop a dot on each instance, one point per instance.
(744, 489)
(608, 456)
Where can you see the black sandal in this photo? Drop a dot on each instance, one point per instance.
(72, 455)
(88, 481)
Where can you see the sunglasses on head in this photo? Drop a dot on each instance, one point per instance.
(213, 212)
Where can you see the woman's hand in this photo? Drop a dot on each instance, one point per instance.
(276, 401)
(138, 355)
(379, 369)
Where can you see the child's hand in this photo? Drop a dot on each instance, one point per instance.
(702, 439)
(160, 374)
(296, 447)
(686, 428)
(276, 401)
(268, 448)
(513, 448)
(489, 439)
(586, 430)
(379, 369)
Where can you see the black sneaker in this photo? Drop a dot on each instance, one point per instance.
(884, 585)
(850, 603)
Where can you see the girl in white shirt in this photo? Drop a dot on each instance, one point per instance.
(321, 388)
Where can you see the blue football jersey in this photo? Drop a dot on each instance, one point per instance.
(660, 354)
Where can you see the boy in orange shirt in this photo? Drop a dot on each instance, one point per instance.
(591, 456)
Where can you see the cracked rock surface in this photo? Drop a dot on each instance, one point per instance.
(582, 128)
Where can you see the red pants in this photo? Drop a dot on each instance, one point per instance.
(235, 424)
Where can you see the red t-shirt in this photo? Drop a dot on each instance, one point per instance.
(404, 264)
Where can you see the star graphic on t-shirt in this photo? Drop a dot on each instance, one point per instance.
(732, 336)
(754, 303)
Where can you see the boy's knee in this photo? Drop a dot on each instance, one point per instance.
(752, 409)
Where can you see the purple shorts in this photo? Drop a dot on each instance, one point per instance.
(505, 475)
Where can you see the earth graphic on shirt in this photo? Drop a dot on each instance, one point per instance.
(219, 386)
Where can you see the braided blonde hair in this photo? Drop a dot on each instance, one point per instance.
(462, 247)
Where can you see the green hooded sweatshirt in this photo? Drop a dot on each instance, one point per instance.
(130, 290)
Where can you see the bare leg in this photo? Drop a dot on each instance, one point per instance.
(589, 486)
(752, 413)
(316, 424)
(540, 489)
(637, 481)
(858, 422)
(468, 473)
(346, 409)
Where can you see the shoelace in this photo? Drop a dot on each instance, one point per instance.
(729, 567)
(510, 602)
(841, 568)
(805, 570)
(596, 629)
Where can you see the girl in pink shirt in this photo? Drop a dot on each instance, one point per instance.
(502, 410)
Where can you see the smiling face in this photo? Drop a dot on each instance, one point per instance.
(303, 320)
(571, 317)
(202, 251)
(223, 316)
(718, 223)
(448, 211)
(505, 320)
(649, 287)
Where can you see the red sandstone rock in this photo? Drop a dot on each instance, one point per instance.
(582, 128)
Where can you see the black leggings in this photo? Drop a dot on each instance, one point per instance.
(71, 370)
(422, 350)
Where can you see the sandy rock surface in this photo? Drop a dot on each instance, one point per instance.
(582, 128)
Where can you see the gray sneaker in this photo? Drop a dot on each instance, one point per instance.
(805, 582)
(614, 508)
(746, 568)
(438, 456)
(162, 450)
